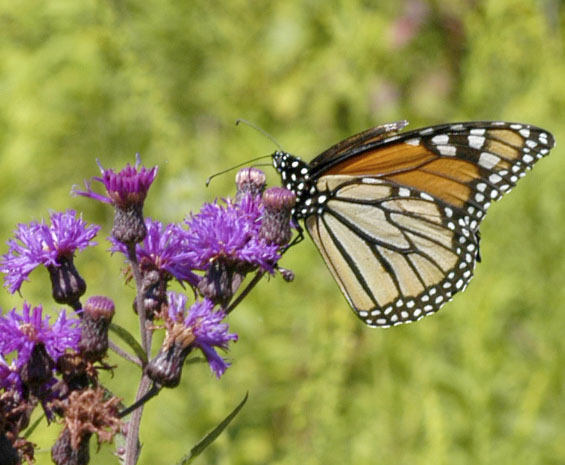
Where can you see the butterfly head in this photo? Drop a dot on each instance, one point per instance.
(295, 176)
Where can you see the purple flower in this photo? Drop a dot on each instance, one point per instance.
(128, 186)
(21, 332)
(205, 327)
(163, 249)
(37, 244)
(9, 377)
(230, 233)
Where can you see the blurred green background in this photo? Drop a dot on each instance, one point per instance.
(482, 382)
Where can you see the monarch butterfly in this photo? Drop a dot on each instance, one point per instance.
(396, 215)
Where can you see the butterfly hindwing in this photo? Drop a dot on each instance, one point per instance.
(394, 256)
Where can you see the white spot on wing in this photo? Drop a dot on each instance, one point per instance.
(447, 150)
(494, 178)
(476, 141)
(488, 160)
(442, 139)
(524, 132)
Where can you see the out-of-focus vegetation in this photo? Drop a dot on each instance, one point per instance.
(482, 382)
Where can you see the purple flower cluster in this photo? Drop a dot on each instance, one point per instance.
(38, 243)
(56, 364)
(230, 233)
(205, 326)
(21, 332)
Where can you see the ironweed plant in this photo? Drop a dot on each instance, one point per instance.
(55, 365)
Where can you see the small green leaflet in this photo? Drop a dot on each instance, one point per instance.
(126, 336)
(211, 436)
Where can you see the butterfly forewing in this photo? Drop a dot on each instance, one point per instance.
(365, 138)
(396, 216)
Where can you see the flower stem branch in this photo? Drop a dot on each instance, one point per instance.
(246, 291)
(152, 392)
(132, 257)
(132, 440)
(125, 355)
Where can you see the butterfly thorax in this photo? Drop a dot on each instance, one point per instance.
(295, 175)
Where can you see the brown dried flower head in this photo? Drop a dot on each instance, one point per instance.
(88, 412)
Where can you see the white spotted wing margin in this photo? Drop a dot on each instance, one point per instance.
(397, 256)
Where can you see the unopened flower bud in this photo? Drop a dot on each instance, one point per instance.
(221, 282)
(97, 315)
(287, 275)
(166, 367)
(67, 284)
(278, 203)
(63, 452)
(38, 369)
(154, 292)
(129, 225)
(250, 181)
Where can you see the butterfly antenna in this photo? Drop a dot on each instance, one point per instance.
(262, 131)
(234, 167)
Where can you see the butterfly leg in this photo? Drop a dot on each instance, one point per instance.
(297, 239)
(300, 236)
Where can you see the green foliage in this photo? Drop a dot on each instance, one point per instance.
(212, 435)
(480, 383)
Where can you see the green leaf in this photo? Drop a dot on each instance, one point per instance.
(31, 429)
(126, 336)
(211, 436)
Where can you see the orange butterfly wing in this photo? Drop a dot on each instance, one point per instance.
(399, 223)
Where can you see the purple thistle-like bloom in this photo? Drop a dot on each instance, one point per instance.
(230, 233)
(163, 249)
(126, 191)
(205, 326)
(37, 244)
(130, 185)
(21, 332)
